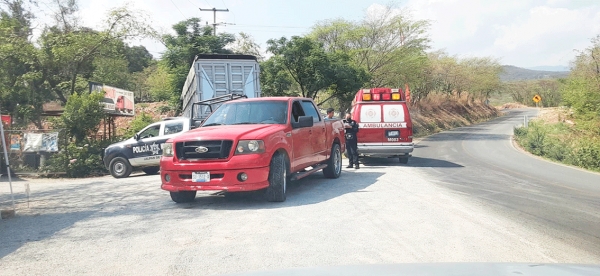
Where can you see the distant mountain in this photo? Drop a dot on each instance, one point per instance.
(550, 68)
(513, 73)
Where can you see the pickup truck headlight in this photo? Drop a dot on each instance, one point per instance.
(250, 146)
(167, 149)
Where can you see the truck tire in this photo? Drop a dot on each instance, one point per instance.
(334, 164)
(277, 179)
(183, 196)
(403, 160)
(119, 167)
(151, 170)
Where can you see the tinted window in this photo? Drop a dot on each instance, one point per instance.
(310, 110)
(250, 112)
(172, 128)
(152, 131)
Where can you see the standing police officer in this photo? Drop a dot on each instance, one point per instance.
(351, 128)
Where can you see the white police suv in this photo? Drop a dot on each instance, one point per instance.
(144, 149)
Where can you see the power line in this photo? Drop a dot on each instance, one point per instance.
(178, 9)
(232, 13)
(215, 10)
(272, 26)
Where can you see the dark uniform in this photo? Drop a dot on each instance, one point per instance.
(352, 142)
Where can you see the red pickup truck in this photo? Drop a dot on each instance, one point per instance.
(253, 144)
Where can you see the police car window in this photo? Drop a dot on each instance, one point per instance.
(172, 128)
(310, 110)
(152, 131)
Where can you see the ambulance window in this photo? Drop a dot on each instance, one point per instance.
(152, 131)
(393, 113)
(310, 110)
(172, 128)
(370, 113)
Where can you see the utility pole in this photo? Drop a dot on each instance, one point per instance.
(215, 10)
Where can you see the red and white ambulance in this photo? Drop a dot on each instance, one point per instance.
(385, 127)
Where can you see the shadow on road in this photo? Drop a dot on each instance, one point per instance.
(414, 161)
(465, 135)
(310, 190)
(13, 236)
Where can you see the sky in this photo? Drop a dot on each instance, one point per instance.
(525, 33)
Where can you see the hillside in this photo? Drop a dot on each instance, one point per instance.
(513, 73)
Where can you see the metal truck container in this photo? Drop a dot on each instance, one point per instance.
(217, 75)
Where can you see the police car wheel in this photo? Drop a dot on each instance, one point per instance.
(119, 167)
(334, 164)
(151, 170)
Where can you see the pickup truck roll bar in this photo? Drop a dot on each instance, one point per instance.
(196, 121)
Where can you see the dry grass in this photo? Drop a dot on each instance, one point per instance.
(440, 112)
(512, 105)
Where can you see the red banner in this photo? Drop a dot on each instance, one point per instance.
(6, 119)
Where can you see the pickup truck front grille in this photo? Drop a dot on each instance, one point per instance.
(219, 149)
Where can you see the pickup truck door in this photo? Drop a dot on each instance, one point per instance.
(318, 137)
(302, 150)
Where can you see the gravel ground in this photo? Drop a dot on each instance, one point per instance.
(382, 213)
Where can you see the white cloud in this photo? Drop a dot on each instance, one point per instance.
(524, 33)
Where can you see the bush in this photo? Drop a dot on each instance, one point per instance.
(79, 161)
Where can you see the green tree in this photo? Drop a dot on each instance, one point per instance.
(388, 44)
(22, 88)
(581, 90)
(138, 58)
(82, 116)
(68, 52)
(190, 39)
(245, 44)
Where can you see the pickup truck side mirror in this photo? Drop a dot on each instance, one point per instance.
(303, 121)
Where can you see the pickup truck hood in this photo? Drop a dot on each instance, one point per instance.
(230, 132)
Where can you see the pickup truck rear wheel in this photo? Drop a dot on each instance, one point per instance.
(183, 196)
(151, 170)
(277, 179)
(334, 164)
(119, 167)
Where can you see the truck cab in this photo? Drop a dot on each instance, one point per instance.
(144, 149)
(384, 122)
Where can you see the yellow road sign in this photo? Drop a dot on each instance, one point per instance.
(537, 98)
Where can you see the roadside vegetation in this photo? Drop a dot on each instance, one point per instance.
(572, 135)
(387, 48)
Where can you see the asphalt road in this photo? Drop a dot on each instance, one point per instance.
(456, 201)
(482, 162)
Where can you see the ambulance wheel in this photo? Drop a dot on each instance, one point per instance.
(151, 170)
(334, 164)
(277, 179)
(183, 196)
(119, 167)
(403, 160)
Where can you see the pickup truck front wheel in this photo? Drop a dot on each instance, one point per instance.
(119, 167)
(277, 179)
(334, 164)
(183, 196)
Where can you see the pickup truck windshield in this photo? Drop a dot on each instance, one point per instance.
(265, 112)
